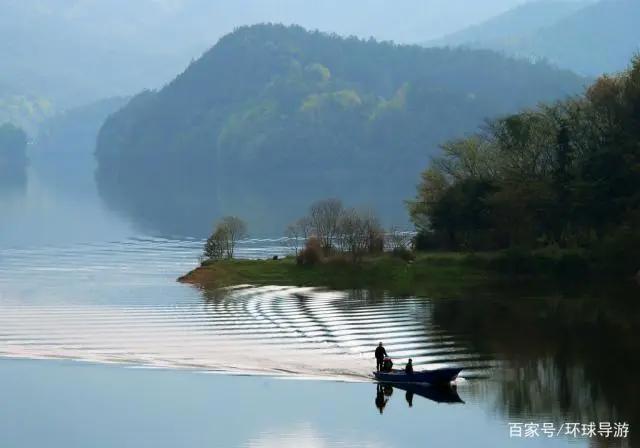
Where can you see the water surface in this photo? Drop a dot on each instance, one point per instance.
(100, 346)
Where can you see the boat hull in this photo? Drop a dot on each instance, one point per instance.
(435, 377)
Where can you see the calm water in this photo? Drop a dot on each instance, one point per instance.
(99, 346)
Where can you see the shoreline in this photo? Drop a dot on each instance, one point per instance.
(431, 274)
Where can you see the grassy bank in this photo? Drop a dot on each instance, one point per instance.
(434, 274)
(441, 275)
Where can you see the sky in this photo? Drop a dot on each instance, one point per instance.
(206, 20)
(74, 51)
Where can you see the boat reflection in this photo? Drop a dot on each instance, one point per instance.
(439, 394)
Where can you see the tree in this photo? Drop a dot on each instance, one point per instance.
(216, 245)
(353, 233)
(223, 240)
(325, 218)
(565, 173)
(298, 233)
(235, 229)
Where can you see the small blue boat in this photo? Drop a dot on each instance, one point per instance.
(434, 377)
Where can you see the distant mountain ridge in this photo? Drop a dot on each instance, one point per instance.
(512, 25)
(274, 117)
(589, 38)
(77, 51)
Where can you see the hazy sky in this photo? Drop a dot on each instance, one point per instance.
(400, 20)
(115, 47)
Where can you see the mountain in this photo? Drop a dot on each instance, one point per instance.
(77, 51)
(502, 30)
(74, 131)
(590, 38)
(273, 117)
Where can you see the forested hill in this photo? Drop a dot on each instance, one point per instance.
(273, 117)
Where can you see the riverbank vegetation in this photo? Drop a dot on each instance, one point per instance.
(345, 248)
(434, 275)
(550, 194)
(563, 176)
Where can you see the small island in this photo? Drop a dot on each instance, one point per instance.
(549, 196)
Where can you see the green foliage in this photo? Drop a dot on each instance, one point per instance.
(303, 115)
(222, 242)
(565, 174)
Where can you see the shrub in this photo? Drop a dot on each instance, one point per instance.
(403, 253)
(514, 261)
(619, 253)
(426, 241)
(311, 254)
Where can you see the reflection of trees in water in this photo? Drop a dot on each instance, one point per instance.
(13, 182)
(567, 360)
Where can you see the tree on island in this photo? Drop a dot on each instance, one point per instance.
(298, 233)
(226, 234)
(325, 218)
(330, 230)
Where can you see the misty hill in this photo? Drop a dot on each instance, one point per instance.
(74, 131)
(273, 117)
(588, 38)
(76, 51)
(505, 29)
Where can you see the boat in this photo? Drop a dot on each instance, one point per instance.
(433, 377)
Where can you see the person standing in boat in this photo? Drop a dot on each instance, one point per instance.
(380, 354)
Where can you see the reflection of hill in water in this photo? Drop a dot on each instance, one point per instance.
(568, 360)
(12, 181)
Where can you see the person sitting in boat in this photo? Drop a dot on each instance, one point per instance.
(380, 354)
(387, 364)
(408, 369)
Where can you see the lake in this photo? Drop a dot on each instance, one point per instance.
(100, 346)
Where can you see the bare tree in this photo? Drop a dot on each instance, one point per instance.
(325, 217)
(236, 229)
(298, 233)
(355, 228)
(375, 233)
(293, 237)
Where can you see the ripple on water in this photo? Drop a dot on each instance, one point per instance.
(119, 302)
